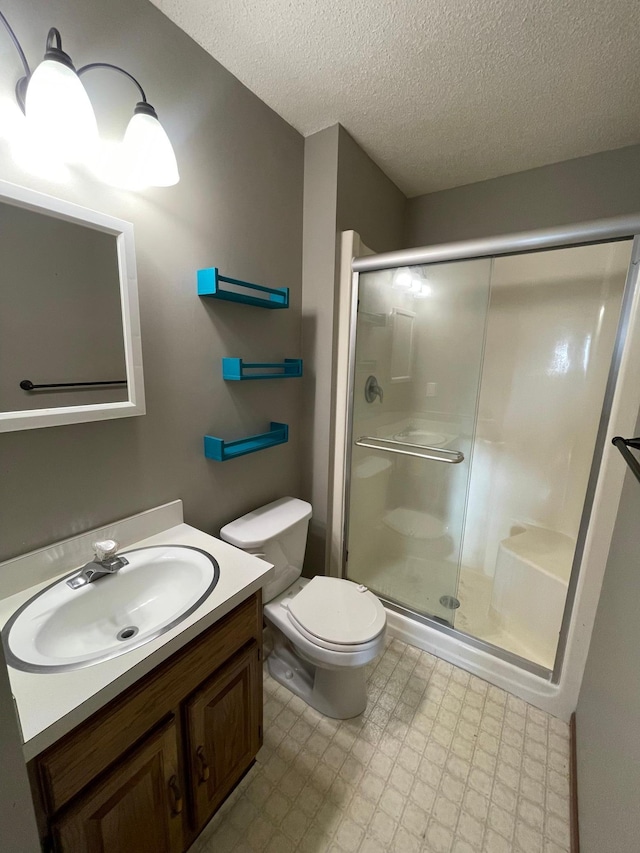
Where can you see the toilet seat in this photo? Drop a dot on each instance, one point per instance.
(320, 652)
(334, 613)
(341, 648)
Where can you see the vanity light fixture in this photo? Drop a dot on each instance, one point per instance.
(56, 105)
(146, 157)
(59, 114)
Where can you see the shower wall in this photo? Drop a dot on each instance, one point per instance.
(550, 334)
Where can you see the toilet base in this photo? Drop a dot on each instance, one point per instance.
(340, 694)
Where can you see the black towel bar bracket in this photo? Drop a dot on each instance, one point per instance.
(623, 445)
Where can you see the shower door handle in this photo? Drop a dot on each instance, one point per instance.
(435, 454)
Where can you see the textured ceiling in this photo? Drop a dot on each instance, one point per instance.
(439, 92)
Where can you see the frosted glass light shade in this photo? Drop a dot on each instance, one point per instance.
(147, 154)
(59, 112)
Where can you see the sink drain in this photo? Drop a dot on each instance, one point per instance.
(127, 633)
(450, 602)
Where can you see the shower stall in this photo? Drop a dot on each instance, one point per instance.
(486, 380)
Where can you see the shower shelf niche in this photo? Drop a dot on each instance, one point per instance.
(209, 285)
(236, 369)
(220, 450)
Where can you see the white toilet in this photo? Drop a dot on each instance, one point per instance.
(326, 629)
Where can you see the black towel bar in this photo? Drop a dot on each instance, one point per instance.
(27, 384)
(623, 445)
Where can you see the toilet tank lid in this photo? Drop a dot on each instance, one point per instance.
(253, 529)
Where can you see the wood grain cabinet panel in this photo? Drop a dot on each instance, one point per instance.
(137, 806)
(115, 783)
(224, 726)
(78, 758)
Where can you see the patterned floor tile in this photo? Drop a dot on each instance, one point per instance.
(440, 762)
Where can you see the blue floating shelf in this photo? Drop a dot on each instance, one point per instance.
(221, 450)
(209, 285)
(237, 369)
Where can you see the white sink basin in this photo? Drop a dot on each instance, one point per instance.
(62, 628)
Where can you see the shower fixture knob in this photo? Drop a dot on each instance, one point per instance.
(372, 390)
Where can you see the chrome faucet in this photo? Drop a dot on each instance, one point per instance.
(105, 562)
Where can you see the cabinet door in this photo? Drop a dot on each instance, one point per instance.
(137, 806)
(224, 720)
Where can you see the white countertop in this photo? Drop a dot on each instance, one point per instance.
(49, 706)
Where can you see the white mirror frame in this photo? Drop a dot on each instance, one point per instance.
(125, 245)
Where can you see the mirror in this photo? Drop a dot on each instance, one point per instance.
(69, 322)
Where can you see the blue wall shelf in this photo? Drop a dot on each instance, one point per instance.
(221, 450)
(209, 285)
(237, 369)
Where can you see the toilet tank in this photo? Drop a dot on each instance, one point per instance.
(278, 533)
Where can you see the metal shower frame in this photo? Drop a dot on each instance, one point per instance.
(569, 236)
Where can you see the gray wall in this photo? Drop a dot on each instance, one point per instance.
(368, 201)
(608, 714)
(605, 184)
(238, 206)
(344, 190)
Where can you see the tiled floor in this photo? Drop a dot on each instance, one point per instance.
(440, 761)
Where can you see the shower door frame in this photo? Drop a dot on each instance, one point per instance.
(615, 408)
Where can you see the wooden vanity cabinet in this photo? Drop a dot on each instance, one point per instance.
(148, 771)
(223, 731)
(137, 806)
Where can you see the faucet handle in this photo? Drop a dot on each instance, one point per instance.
(105, 548)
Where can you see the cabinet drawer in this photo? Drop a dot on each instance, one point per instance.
(137, 806)
(77, 759)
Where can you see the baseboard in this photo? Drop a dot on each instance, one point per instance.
(574, 826)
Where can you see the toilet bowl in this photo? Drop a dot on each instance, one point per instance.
(326, 629)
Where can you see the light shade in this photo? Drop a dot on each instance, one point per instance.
(147, 155)
(59, 113)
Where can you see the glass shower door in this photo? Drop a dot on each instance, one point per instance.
(418, 358)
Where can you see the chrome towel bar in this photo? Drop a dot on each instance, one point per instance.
(435, 454)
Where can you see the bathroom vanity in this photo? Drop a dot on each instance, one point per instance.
(148, 771)
(138, 752)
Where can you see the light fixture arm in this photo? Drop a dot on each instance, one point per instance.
(21, 85)
(17, 45)
(143, 105)
(55, 51)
